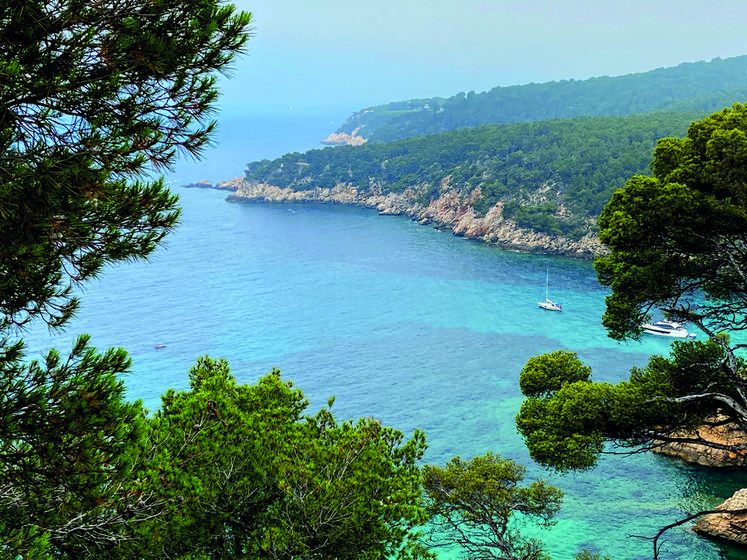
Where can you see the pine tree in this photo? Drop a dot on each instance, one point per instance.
(96, 99)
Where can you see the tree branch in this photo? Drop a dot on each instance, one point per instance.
(666, 528)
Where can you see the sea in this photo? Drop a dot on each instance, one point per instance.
(414, 326)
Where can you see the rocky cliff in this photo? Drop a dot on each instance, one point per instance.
(447, 210)
(343, 138)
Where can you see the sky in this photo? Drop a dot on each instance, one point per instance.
(357, 53)
(329, 58)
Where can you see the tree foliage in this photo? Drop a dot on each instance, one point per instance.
(93, 96)
(474, 504)
(220, 471)
(67, 456)
(677, 239)
(557, 174)
(251, 476)
(676, 245)
(567, 419)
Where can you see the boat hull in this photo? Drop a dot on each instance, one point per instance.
(669, 329)
(550, 305)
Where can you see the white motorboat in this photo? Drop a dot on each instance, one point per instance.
(667, 328)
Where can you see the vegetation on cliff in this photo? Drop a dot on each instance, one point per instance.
(547, 157)
(698, 86)
(552, 176)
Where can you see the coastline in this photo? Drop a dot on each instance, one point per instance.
(448, 211)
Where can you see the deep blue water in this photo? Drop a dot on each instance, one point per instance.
(411, 325)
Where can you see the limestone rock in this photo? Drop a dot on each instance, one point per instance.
(204, 184)
(448, 210)
(343, 138)
(730, 526)
(727, 433)
(229, 185)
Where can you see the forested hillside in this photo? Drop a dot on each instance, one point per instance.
(699, 86)
(552, 176)
(540, 158)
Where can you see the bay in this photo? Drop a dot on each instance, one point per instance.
(414, 326)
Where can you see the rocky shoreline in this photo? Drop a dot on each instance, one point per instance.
(730, 523)
(718, 431)
(448, 211)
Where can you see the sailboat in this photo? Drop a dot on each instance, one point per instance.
(548, 303)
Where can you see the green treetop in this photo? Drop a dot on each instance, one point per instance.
(251, 476)
(475, 504)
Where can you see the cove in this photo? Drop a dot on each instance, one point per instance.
(414, 326)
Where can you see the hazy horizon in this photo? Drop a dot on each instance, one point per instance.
(361, 53)
(326, 59)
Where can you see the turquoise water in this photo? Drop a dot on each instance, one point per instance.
(414, 326)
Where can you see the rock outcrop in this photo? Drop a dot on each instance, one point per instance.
(723, 433)
(229, 185)
(204, 184)
(447, 210)
(343, 138)
(729, 526)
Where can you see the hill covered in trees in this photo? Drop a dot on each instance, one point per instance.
(695, 86)
(552, 177)
(519, 167)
